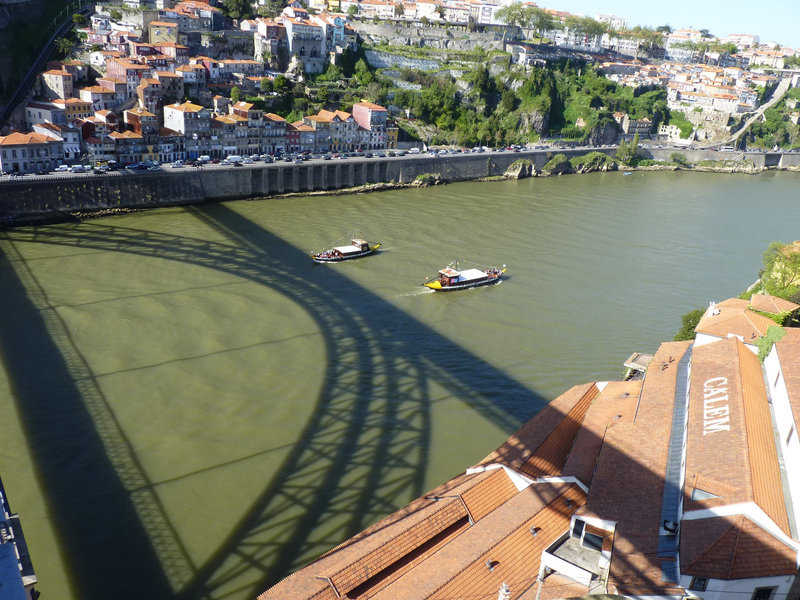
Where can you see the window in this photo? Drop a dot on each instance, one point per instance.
(699, 584)
(577, 528)
(590, 540)
(764, 593)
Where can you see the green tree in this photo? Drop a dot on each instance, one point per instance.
(511, 14)
(79, 20)
(265, 85)
(688, 322)
(115, 14)
(63, 46)
(322, 95)
(399, 11)
(679, 159)
(664, 29)
(236, 94)
(508, 101)
(540, 20)
(281, 84)
(780, 275)
(352, 10)
(236, 9)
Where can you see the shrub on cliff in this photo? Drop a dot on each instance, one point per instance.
(594, 161)
(557, 165)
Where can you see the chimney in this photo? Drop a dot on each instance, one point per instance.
(504, 593)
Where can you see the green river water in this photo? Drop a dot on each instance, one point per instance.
(193, 409)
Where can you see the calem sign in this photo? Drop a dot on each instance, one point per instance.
(716, 414)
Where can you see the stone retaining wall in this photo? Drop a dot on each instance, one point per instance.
(32, 197)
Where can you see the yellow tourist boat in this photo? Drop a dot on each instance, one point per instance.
(451, 279)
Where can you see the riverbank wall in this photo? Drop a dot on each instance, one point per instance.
(32, 198)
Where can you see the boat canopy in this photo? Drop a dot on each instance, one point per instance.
(347, 249)
(472, 274)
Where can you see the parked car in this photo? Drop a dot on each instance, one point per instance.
(177, 164)
(101, 169)
(77, 169)
(204, 158)
(62, 169)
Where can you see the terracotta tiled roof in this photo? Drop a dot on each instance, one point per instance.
(371, 106)
(732, 317)
(733, 548)
(185, 107)
(519, 450)
(502, 540)
(788, 348)
(630, 479)
(616, 404)
(274, 117)
(17, 138)
(771, 304)
(554, 587)
(422, 522)
(730, 438)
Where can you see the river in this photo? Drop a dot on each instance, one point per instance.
(193, 409)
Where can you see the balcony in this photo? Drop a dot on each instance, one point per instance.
(582, 562)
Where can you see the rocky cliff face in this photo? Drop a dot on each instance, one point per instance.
(602, 135)
(520, 169)
(442, 38)
(534, 121)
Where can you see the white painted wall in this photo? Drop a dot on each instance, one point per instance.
(721, 589)
(787, 427)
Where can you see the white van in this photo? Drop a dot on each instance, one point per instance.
(414, 151)
(203, 159)
(233, 158)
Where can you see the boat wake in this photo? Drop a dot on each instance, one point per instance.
(416, 293)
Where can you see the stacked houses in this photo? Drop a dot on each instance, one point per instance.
(137, 110)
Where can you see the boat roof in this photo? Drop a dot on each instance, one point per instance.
(449, 271)
(359, 241)
(347, 249)
(473, 274)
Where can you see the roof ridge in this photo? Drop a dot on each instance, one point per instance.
(735, 545)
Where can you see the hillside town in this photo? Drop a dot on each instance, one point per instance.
(159, 81)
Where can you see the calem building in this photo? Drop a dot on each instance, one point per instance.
(685, 484)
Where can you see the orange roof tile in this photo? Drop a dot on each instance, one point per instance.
(614, 405)
(772, 304)
(16, 138)
(732, 317)
(629, 479)
(730, 442)
(521, 447)
(733, 548)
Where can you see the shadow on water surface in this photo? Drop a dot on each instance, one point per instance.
(372, 417)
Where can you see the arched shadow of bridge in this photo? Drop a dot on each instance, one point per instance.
(372, 419)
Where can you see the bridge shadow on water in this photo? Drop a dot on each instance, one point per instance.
(366, 444)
